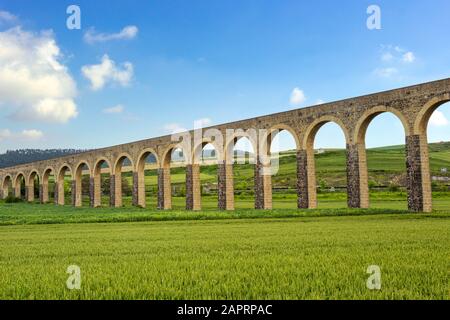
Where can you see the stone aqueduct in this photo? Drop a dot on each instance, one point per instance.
(412, 105)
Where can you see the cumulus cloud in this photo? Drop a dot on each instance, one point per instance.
(394, 60)
(114, 110)
(25, 135)
(408, 57)
(7, 17)
(34, 83)
(438, 119)
(107, 71)
(297, 96)
(129, 32)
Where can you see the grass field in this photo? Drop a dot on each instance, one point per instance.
(296, 258)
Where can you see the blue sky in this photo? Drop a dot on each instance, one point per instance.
(179, 61)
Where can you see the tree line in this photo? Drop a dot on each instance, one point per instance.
(21, 156)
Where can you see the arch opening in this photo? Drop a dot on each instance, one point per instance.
(381, 148)
(283, 156)
(48, 186)
(102, 184)
(325, 145)
(82, 185)
(7, 187)
(20, 186)
(175, 179)
(244, 159)
(147, 175)
(436, 129)
(123, 174)
(64, 185)
(208, 176)
(33, 186)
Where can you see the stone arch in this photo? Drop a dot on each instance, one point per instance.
(119, 161)
(97, 181)
(232, 139)
(198, 148)
(117, 177)
(266, 159)
(167, 154)
(139, 179)
(313, 128)
(366, 118)
(193, 185)
(60, 181)
(17, 184)
(420, 139)
(164, 179)
(77, 186)
(359, 148)
(229, 161)
(44, 188)
(308, 145)
(33, 174)
(31, 179)
(423, 117)
(282, 127)
(6, 184)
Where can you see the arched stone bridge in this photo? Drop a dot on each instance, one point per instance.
(412, 105)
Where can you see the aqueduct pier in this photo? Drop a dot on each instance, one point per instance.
(412, 105)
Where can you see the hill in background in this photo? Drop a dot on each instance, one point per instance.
(16, 157)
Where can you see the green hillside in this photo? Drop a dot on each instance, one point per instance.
(386, 166)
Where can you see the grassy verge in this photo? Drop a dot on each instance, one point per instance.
(284, 207)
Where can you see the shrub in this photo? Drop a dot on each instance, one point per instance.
(394, 187)
(12, 199)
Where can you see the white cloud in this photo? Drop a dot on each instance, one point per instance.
(408, 57)
(395, 54)
(107, 71)
(34, 84)
(438, 119)
(297, 96)
(202, 123)
(116, 109)
(7, 17)
(4, 134)
(129, 32)
(174, 128)
(31, 134)
(25, 135)
(386, 72)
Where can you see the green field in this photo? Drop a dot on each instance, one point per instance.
(284, 253)
(295, 258)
